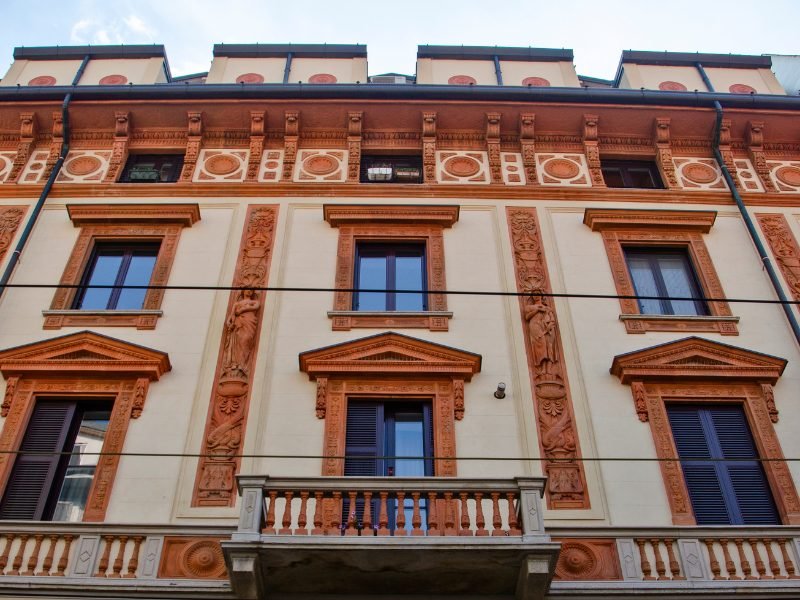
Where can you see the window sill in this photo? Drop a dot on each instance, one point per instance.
(641, 323)
(344, 320)
(141, 319)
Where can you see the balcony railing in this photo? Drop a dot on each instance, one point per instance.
(350, 535)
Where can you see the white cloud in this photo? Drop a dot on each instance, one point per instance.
(138, 26)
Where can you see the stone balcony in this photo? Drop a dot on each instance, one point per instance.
(343, 535)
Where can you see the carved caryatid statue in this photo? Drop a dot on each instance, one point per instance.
(542, 332)
(241, 327)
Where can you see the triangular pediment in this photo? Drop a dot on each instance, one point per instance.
(697, 358)
(390, 353)
(84, 352)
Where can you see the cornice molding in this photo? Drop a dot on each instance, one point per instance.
(396, 214)
(602, 219)
(84, 214)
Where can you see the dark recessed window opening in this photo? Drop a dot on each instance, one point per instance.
(668, 273)
(152, 168)
(726, 482)
(390, 267)
(640, 174)
(44, 484)
(120, 265)
(391, 169)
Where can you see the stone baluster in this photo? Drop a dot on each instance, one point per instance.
(730, 567)
(335, 525)
(33, 559)
(352, 517)
(465, 528)
(317, 514)
(302, 518)
(497, 520)
(774, 567)
(746, 568)
(367, 519)
(286, 521)
(513, 518)
(15, 566)
(433, 520)
(661, 568)
(383, 514)
(6, 551)
(103, 566)
(674, 567)
(48, 559)
(761, 569)
(480, 520)
(64, 559)
(416, 518)
(449, 516)
(712, 558)
(269, 525)
(133, 563)
(116, 569)
(787, 560)
(647, 570)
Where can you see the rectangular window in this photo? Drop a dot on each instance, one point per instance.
(44, 484)
(152, 168)
(667, 273)
(726, 482)
(117, 265)
(631, 174)
(390, 267)
(392, 439)
(391, 169)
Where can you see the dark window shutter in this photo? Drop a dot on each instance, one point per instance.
(33, 475)
(364, 439)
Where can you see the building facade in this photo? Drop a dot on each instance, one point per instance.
(495, 329)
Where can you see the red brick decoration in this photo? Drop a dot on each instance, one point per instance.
(742, 88)
(114, 80)
(250, 78)
(43, 80)
(671, 86)
(461, 80)
(536, 82)
(322, 78)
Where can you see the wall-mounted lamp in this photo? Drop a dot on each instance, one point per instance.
(500, 392)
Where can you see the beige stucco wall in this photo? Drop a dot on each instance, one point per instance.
(650, 76)
(762, 80)
(22, 71)
(438, 71)
(559, 74)
(225, 69)
(137, 70)
(346, 70)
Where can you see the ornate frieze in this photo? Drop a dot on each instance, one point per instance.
(227, 414)
(558, 434)
(10, 219)
(194, 139)
(784, 248)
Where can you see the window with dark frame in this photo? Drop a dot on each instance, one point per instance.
(52, 476)
(399, 266)
(152, 168)
(391, 169)
(726, 482)
(668, 274)
(119, 265)
(639, 174)
(393, 439)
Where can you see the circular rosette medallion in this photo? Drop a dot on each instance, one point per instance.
(671, 86)
(83, 165)
(320, 165)
(462, 166)
(536, 82)
(789, 176)
(221, 164)
(741, 88)
(322, 78)
(461, 80)
(576, 561)
(250, 78)
(43, 80)
(203, 559)
(699, 173)
(561, 168)
(114, 80)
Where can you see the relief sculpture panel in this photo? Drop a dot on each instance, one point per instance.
(227, 415)
(558, 436)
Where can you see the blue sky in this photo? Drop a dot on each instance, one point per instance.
(597, 30)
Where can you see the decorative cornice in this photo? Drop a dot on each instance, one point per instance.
(602, 219)
(184, 214)
(397, 214)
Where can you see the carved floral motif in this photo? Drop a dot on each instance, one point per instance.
(214, 485)
(10, 219)
(783, 245)
(558, 435)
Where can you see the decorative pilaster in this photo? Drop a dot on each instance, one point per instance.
(258, 120)
(290, 137)
(227, 413)
(55, 143)
(783, 245)
(755, 148)
(727, 153)
(10, 219)
(591, 146)
(429, 146)
(193, 142)
(354, 122)
(27, 138)
(119, 151)
(493, 146)
(528, 146)
(664, 152)
(558, 435)
(11, 387)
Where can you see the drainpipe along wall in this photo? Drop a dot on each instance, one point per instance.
(751, 228)
(26, 232)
